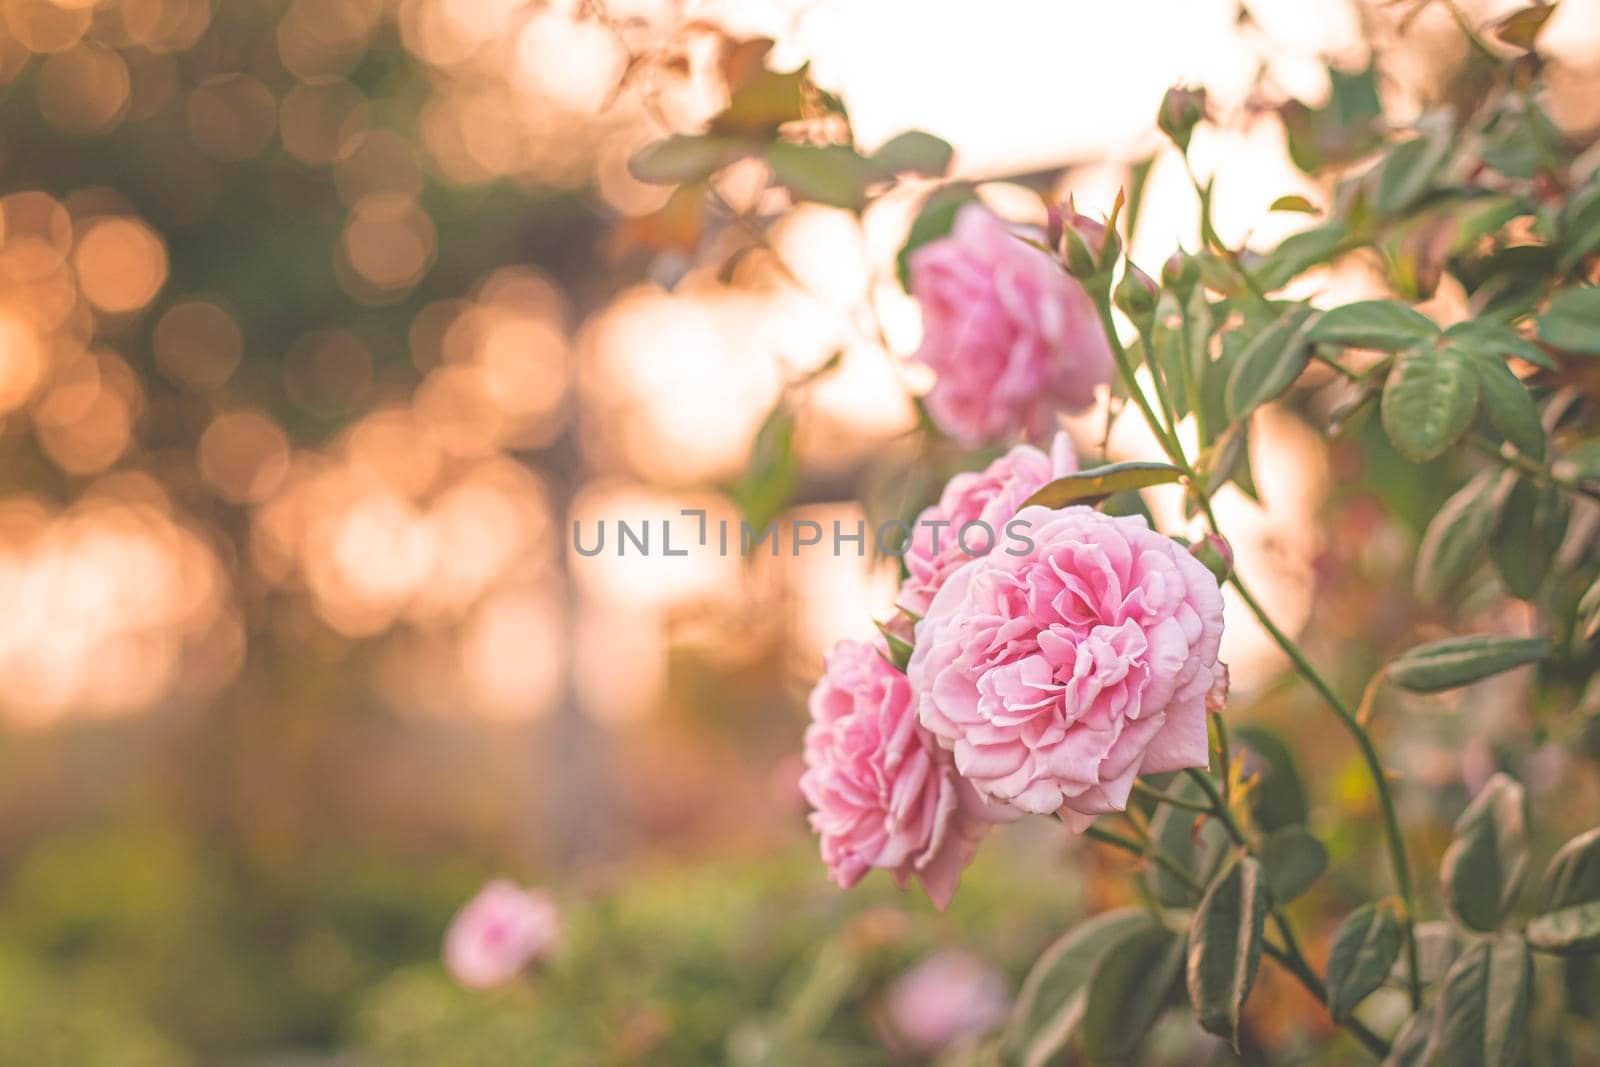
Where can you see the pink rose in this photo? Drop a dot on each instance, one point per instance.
(984, 501)
(948, 996)
(1011, 337)
(498, 933)
(1057, 673)
(882, 792)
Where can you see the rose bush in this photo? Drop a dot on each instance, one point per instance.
(1077, 674)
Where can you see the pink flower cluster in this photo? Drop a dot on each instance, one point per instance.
(498, 933)
(1011, 337)
(1043, 679)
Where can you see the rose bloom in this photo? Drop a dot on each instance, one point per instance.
(882, 791)
(1011, 337)
(948, 996)
(990, 497)
(1057, 674)
(498, 933)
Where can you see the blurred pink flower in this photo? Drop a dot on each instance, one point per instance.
(1011, 337)
(1059, 675)
(990, 497)
(498, 933)
(948, 996)
(882, 792)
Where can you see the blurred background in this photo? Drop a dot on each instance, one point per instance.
(321, 324)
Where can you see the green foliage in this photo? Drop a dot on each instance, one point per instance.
(1458, 661)
(1573, 876)
(684, 158)
(1225, 941)
(1386, 325)
(914, 151)
(1052, 1002)
(1532, 524)
(1278, 793)
(1572, 321)
(1573, 931)
(1195, 843)
(1090, 486)
(1365, 948)
(1127, 991)
(1484, 1005)
(1484, 866)
(770, 475)
(1292, 860)
(1455, 539)
(1271, 362)
(1429, 401)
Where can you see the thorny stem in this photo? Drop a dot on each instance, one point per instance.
(1307, 670)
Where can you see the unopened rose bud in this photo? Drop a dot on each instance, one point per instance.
(1080, 259)
(1087, 248)
(1214, 551)
(1181, 111)
(1054, 225)
(1136, 296)
(1180, 273)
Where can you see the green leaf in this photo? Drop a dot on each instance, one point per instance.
(1340, 131)
(1297, 204)
(1223, 461)
(1297, 254)
(1428, 402)
(1519, 28)
(1386, 325)
(1509, 405)
(935, 220)
(1271, 362)
(1533, 522)
(1364, 949)
(1101, 482)
(769, 476)
(1292, 859)
(832, 174)
(1277, 796)
(1484, 866)
(762, 102)
(1409, 169)
(914, 151)
(1580, 226)
(1192, 841)
(1572, 321)
(1438, 945)
(1573, 931)
(1051, 1003)
(1491, 338)
(1484, 1006)
(1225, 947)
(1589, 610)
(899, 649)
(686, 158)
(1458, 661)
(1128, 991)
(1455, 538)
(1573, 876)
(1414, 1042)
